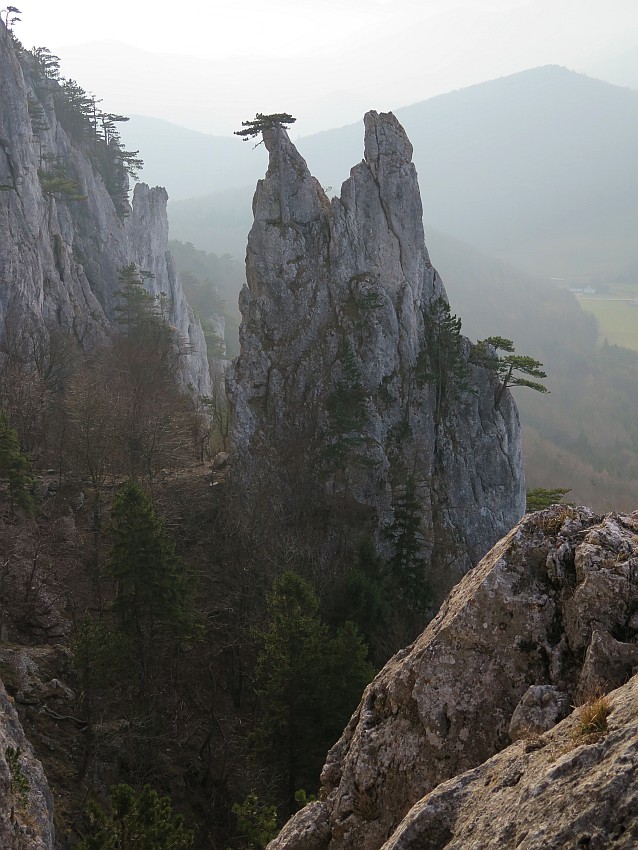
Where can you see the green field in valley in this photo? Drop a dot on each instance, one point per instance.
(617, 314)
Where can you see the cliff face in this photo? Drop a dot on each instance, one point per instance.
(62, 243)
(547, 619)
(26, 807)
(341, 382)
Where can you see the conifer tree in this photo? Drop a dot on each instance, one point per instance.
(363, 596)
(154, 597)
(255, 127)
(15, 467)
(407, 564)
(442, 362)
(540, 498)
(308, 684)
(346, 407)
(511, 368)
(143, 821)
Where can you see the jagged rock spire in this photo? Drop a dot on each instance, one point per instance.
(328, 396)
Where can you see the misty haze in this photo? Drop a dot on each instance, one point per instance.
(319, 425)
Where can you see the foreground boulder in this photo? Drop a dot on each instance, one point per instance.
(525, 635)
(566, 789)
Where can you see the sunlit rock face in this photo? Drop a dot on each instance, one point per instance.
(60, 256)
(331, 400)
(469, 737)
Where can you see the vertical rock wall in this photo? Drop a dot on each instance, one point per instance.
(26, 803)
(59, 257)
(328, 399)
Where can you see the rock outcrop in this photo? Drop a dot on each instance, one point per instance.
(26, 804)
(62, 239)
(562, 790)
(546, 620)
(342, 392)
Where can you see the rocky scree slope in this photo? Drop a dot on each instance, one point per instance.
(340, 391)
(548, 618)
(61, 250)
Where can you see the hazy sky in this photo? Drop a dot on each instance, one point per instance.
(209, 64)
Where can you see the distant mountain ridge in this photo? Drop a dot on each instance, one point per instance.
(192, 164)
(537, 168)
(620, 69)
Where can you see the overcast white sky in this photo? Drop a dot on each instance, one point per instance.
(207, 65)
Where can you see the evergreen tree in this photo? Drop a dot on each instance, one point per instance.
(143, 821)
(511, 368)
(144, 322)
(256, 822)
(255, 127)
(48, 63)
(154, 598)
(137, 307)
(290, 684)
(55, 180)
(10, 18)
(308, 684)
(363, 597)
(15, 467)
(540, 498)
(407, 564)
(347, 409)
(442, 361)
(347, 672)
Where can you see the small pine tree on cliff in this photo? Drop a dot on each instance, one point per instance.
(261, 122)
(511, 368)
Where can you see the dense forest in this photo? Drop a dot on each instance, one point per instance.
(204, 662)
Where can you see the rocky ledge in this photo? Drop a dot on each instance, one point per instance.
(455, 742)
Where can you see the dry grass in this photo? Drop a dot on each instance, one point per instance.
(592, 720)
(551, 523)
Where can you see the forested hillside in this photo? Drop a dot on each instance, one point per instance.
(144, 640)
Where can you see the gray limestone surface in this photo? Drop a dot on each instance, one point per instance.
(26, 804)
(516, 639)
(60, 252)
(332, 388)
